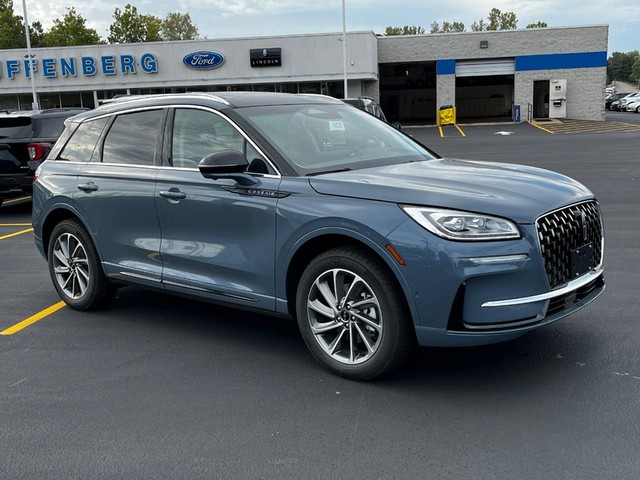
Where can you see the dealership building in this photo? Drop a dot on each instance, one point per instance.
(502, 75)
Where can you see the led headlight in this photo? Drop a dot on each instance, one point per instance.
(455, 225)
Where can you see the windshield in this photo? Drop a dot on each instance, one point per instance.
(323, 138)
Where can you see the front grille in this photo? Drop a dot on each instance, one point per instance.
(561, 232)
(567, 300)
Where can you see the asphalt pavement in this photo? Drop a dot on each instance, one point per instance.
(162, 387)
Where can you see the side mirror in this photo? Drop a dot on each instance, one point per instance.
(226, 164)
(396, 125)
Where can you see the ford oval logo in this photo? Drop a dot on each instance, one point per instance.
(203, 60)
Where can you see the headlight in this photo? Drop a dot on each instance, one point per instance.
(455, 225)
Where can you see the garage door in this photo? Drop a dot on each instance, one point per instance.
(483, 68)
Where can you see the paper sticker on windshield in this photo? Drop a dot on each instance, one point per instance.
(336, 126)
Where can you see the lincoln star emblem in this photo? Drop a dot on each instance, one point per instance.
(581, 217)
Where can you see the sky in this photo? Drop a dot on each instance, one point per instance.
(251, 18)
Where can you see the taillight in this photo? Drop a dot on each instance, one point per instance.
(36, 174)
(37, 151)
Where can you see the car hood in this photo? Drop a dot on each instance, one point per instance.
(516, 192)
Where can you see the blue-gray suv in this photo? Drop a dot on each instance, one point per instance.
(303, 206)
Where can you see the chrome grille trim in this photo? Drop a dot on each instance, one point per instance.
(563, 230)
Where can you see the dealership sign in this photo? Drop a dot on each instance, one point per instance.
(203, 60)
(85, 66)
(266, 57)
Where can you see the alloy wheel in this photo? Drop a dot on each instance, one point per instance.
(345, 316)
(71, 265)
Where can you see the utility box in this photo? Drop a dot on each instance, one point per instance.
(447, 115)
(557, 98)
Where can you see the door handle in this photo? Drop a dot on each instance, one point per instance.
(88, 187)
(173, 194)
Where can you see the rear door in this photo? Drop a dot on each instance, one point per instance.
(115, 195)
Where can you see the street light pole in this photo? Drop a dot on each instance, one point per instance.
(34, 105)
(344, 47)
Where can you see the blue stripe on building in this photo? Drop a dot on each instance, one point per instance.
(445, 67)
(561, 61)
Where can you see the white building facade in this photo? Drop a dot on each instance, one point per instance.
(538, 73)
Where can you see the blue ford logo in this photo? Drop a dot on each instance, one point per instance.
(204, 60)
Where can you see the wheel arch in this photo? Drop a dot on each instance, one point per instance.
(53, 218)
(321, 242)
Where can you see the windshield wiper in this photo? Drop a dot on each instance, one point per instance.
(328, 171)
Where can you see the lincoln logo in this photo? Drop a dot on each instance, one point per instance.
(203, 60)
(581, 217)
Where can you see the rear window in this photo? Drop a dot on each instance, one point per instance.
(49, 127)
(15, 127)
(83, 142)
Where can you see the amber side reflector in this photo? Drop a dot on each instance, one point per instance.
(395, 254)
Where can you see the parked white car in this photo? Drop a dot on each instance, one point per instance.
(628, 99)
(634, 106)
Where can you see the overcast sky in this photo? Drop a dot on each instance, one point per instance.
(248, 18)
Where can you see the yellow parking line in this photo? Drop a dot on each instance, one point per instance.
(15, 224)
(7, 202)
(33, 319)
(16, 233)
(441, 132)
(541, 128)
(460, 130)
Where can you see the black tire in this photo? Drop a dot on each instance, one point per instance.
(369, 331)
(75, 267)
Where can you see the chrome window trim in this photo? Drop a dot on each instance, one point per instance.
(125, 111)
(570, 287)
(234, 125)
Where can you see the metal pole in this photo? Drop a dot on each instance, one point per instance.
(344, 47)
(34, 105)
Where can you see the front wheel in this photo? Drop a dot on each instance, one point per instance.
(75, 268)
(352, 314)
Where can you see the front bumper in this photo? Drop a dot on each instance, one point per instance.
(478, 293)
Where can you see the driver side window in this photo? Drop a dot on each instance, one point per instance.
(197, 133)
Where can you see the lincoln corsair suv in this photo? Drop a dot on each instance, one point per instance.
(303, 206)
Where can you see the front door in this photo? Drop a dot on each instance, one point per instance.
(218, 238)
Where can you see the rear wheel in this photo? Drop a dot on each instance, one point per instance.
(352, 314)
(75, 268)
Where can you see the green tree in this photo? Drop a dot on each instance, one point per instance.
(36, 35)
(178, 26)
(129, 26)
(499, 20)
(406, 30)
(11, 27)
(635, 72)
(538, 25)
(447, 27)
(620, 64)
(478, 26)
(71, 30)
